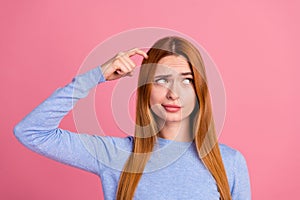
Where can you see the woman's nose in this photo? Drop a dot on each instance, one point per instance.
(173, 91)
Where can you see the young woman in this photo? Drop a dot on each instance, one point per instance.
(174, 153)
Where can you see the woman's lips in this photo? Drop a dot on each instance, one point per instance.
(171, 108)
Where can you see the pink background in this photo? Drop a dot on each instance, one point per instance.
(253, 43)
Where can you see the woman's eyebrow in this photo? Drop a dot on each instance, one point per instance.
(186, 73)
(163, 76)
(169, 75)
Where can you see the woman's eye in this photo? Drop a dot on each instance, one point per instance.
(161, 81)
(187, 81)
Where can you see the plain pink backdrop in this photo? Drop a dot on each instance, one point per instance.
(255, 45)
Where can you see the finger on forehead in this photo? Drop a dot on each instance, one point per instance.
(137, 51)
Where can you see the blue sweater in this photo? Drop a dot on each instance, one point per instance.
(174, 170)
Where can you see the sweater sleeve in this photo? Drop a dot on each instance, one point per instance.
(39, 130)
(241, 185)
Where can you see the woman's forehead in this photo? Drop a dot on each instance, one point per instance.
(172, 64)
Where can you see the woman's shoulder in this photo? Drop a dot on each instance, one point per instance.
(234, 161)
(230, 154)
(125, 142)
(108, 144)
(237, 172)
(120, 143)
(227, 151)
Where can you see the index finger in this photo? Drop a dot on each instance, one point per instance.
(137, 51)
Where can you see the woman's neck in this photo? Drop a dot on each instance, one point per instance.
(178, 131)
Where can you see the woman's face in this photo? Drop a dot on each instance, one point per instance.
(173, 96)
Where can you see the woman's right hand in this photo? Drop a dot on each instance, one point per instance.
(121, 65)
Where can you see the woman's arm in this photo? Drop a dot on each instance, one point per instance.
(39, 130)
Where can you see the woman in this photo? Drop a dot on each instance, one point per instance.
(174, 153)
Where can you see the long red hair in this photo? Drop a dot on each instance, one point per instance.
(145, 135)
